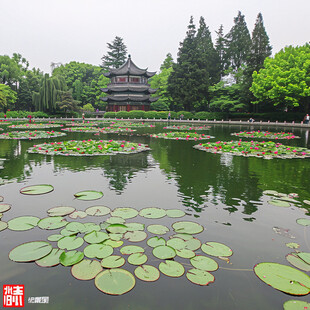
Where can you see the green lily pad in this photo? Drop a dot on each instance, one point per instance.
(125, 213)
(60, 211)
(200, 277)
(171, 268)
(23, 223)
(304, 256)
(55, 237)
(192, 244)
(78, 215)
(153, 213)
(184, 253)
(158, 229)
(113, 243)
(279, 203)
(135, 226)
(187, 227)
(216, 249)
(96, 237)
(98, 251)
(116, 237)
(4, 207)
(117, 228)
(98, 211)
(50, 260)
(71, 258)
(89, 227)
(130, 249)
(88, 195)
(52, 222)
(270, 192)
(86, 269)
(75, 227)
(176, 243)
(164, 252)
(283, 278)
(296, 305)
(3, 225)
(37, 189)
(135, 236)
(156, 241)
(113, 261)
(115, 281)
(70, 243)
(184, 237)
(204, 263)
(303, 222)
(30, 251)
(115, 220)
(175, 213)
(137, 259)
(147, 273)
(292, 245)
(296, 261)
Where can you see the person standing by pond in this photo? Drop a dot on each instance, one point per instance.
(83, 117)
(306, 119)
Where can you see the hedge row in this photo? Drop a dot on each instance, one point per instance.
(20, 114)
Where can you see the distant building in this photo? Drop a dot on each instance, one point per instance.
(129, 89)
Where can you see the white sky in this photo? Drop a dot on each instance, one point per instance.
(46, 31)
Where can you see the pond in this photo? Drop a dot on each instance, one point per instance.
(221, 192)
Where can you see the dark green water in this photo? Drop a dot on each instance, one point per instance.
(221, 192)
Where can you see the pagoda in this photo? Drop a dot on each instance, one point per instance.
(129, 89)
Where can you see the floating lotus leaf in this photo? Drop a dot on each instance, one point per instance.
(296, 305)
(184, 253)
(192, 244)
(306, 202)
(37, 189)
(153, 213)
(116, 237)
(71, 258)
(117, 228)
(113, 243)
(164, 252)
(89, 227)
(137, 259)
(4, 207)
(135, 236)
(187, 227)
(157, 229)
(88, 195)
(115, 281)
(86, 269)
(171, 268)
(50, 260)
(183, 236)
(98, 211)
(304, 256)
(147, 273)
(55, 237)
(204, 263)
(64, 232)
(216, 249)
(52, 222)
(156, 241)
(115, 220)
(30, 251)
(270, 192)
(60, 211)
(76, 227)
(303, 222)
(113, 261)
(296, 261)
(135, 226)
(175, 213)
(3, 225)
(30, 135)
(200, 277)
(70, 243)
(292, 245)
(289, 199)
(98, 251)
(176, 243)
(279, 203)
(125, 213)
(96, 237)
(130, 249)
(283, 278)
(22, 223)
(78, 214)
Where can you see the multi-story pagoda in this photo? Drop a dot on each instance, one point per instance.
(129, 88)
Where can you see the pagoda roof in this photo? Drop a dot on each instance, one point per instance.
(128, 88)
(129, 97)
(129, 68)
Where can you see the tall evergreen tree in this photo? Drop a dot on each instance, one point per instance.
(168, 62)
(220, 47)
(116, 54)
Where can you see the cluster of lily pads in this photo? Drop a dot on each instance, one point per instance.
(267, 150)
(88, 148)
(82, 129)
(181, 135)
(131, 124)
(30, 135)
(187, 127)
(35, 126)
(265, 134)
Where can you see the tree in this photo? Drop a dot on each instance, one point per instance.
(285, 79)
(66, 102)
(10, 72)
(7, 97)
(168, 62)
(116, 54)
(220, 47)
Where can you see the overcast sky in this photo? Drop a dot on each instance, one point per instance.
(46, 31)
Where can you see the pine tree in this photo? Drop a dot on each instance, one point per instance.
(168, 62)
(220, 47)
(66, 102)
(116, 55)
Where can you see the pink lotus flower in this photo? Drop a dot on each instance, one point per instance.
(122, 145)
(294, 151)
(78, 148)
(132, 148)
(276, 152)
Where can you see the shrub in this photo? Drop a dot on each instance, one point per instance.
(210, 115)
(186, 115)
(109, 115)
(136, 114)
(88, 107)
(122, 114)
(150, 114)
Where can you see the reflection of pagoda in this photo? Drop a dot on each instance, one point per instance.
(129, 88)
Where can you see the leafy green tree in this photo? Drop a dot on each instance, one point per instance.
(66, 102)
(168, 62)
(7, 97)
(116, 55)
(10, 73)
(221, 47)
(88, 107)
(77, 89)
(285, 79)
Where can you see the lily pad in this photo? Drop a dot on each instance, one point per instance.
(115, 281)
(204, 263)
(135, 236)
(70, 243)
(76, 227)
(135, 226)
(292, 245)
(270, 192)
(279, 203)
(216, 249)
(71, 258)
(116, 237)
(37, 189)
(171, 268)
(96, 237)
(130, 249)
(156, 241)
(147, 273)
(175, 213)
(125, 213)
(86, 269)
(50, 223)
(98, 211)
(50, 260)
(55, 237)
(1, 198)
(30, 251)
(164, 252)
(187, 227)
(137, 259)
(115, 220)
(184, 237)
(283, 278)
(304, 256)
(303, 222)
(117, 228)
(192, 244)
(78, 215)
(200, 277)
(184, 253)
(60, 211)
(296, 305)
(89, 227)
(3, 225)
(158, 229)
(296, 261)
(113, 261)
(98, 251)
(23, 223)
(4, 207)
(176, 243)
(113, 243)
(88, 195)
(153, 213)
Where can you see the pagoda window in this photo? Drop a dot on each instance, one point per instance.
(121, 79)
(134, 80)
